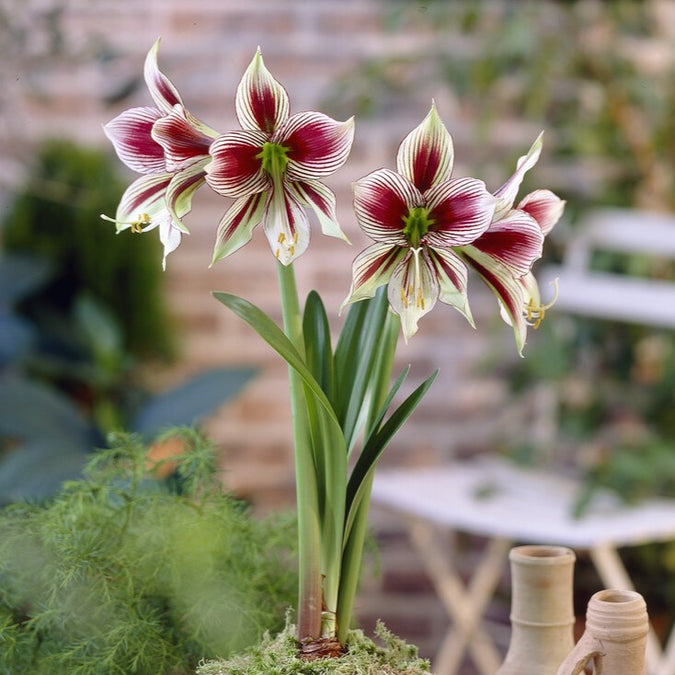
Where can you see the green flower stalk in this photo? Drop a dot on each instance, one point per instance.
(427, 228)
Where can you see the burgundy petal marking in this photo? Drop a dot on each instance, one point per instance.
(131, 135)
(544, 206)
(182, 142)
(461, 210)
(142, 192)
(236, 167)
(516, 242)
(261, 102)
(381, 262)
(317, 145)
(163, 92)
(381, 200)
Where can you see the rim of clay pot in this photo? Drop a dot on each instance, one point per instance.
(621, 613)
(538, 554)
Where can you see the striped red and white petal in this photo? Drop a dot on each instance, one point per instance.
(261, 103)
(317, 144)
(373, 268)
(285, 224)
(381, 200)
(321, 200)
(162, 90)
(236, 227)
(506, 194)
(507, 287)
(235, 169)
(425, 157)
(131, 135)
(182, 142)
(144, 196)
(516, 242)
(413, 289)
(452, 274)
(461, 210)
(181, 189)
(544, 206)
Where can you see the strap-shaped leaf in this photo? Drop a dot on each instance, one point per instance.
(318, 348)
(275, 338)
(374, 447)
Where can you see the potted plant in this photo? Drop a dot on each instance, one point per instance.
(428, 228)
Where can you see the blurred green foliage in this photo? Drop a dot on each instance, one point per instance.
(56, 216)
(120, 573)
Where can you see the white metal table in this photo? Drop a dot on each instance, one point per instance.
(509, 504)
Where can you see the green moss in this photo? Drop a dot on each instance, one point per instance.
(279, 656)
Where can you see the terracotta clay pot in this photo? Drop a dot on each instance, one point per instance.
(542, 610)
(615, 639)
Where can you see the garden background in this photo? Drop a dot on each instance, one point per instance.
(598, 77)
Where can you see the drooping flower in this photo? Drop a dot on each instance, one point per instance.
(271, 168)
(417, 217)
(504, 254)
(169, 147)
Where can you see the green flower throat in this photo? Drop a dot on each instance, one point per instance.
(417, 224)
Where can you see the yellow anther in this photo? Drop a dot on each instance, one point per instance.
(295, 237)
(277, 253)
(281, 238)
(420, 299)
(291, 250)
(535, 314)
(404, 298)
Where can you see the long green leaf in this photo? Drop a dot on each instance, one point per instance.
(275, 338)
(375, 445)
(318, 348)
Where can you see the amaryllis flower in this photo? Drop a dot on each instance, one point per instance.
(504, 254)
(169, 146)
(271, 166)
(417, 217)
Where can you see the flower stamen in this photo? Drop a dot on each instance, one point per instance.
(535, 313)
(143, 220)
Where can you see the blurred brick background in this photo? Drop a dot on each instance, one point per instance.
(206, 44)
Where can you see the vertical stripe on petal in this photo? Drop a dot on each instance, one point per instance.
(236, 166)
(317, 144)
(286, 225)
(413, 290)
(508, 289)
(544, 206)
(131, 135)
(461, 211)
(236, 227)
(516, 241)
(322, 201)
(382, 199)
(261, 102)
(452, 275)
(506, 194)
(182, 143)
(426, 154)
(372, 268)
(144, 195)
(163, 93)
(181, 189)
